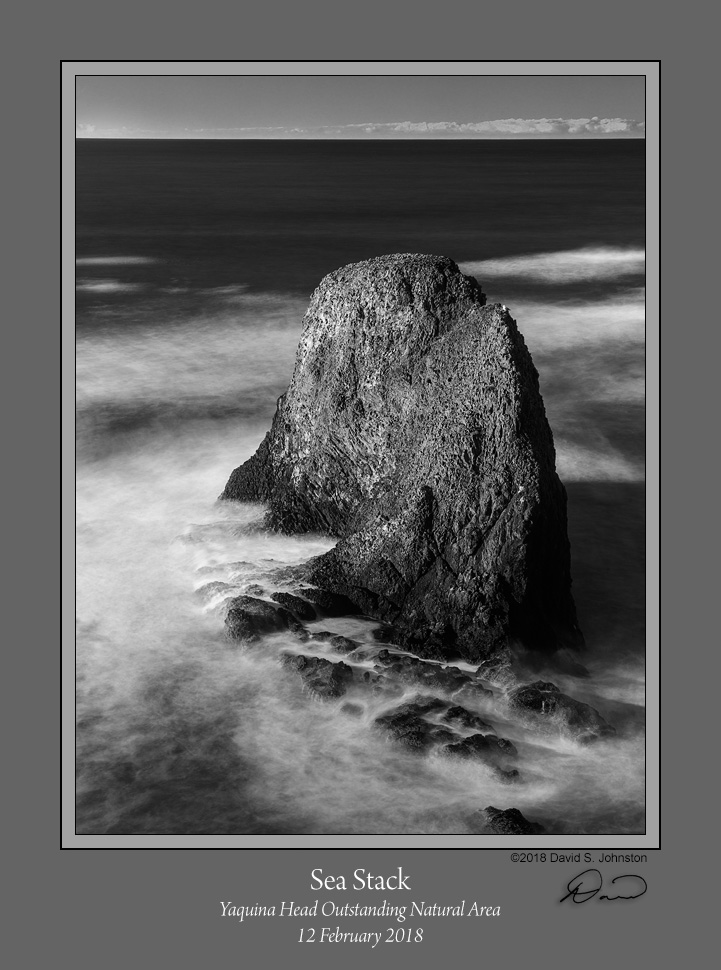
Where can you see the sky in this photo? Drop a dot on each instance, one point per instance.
(358, 106)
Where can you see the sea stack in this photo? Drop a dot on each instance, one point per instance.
(413, 429)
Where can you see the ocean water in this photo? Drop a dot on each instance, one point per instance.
(194, 263)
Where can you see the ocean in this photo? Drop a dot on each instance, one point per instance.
(195, 261)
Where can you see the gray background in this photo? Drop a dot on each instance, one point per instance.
(162, 907)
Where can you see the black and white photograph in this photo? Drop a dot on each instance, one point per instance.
(361, 454)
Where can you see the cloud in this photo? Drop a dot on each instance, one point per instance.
(525, 126)
(94, 131)
(502, 128)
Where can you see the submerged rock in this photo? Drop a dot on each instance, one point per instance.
(484, 747)
(498, 670)
(321, 677)
(413, 429)
(546, 700)
(343, 644)
(354, 710)
(210, 591)
(408, 724)
(467, 719)
(430, 675)
(412, 724)
(509, 821)
(509, 777)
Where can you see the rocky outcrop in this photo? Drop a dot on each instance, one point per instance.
(432, 676)
(415, 725)
(413, 430)
(499, 671)
(483, 746)
(545, 700)
(302, 609)
(342, 644)
(507, 821)
(248, 618)
(408, 724)
(320, 677)
(463, 718)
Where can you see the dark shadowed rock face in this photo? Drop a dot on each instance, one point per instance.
(302, 609)
(413, 429)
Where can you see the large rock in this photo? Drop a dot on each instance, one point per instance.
(413, 430)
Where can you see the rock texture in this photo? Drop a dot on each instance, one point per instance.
(430, 675)
(507, 821)
(413, 430)
(248, 618)
(321, 677)
(545, 700)
(302, 609)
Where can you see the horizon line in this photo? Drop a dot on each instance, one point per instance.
(630, 136)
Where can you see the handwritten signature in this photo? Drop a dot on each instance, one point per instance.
(589, 883)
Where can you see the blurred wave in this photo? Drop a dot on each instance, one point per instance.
(114, 260)
(568, 266)
(184, 342)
